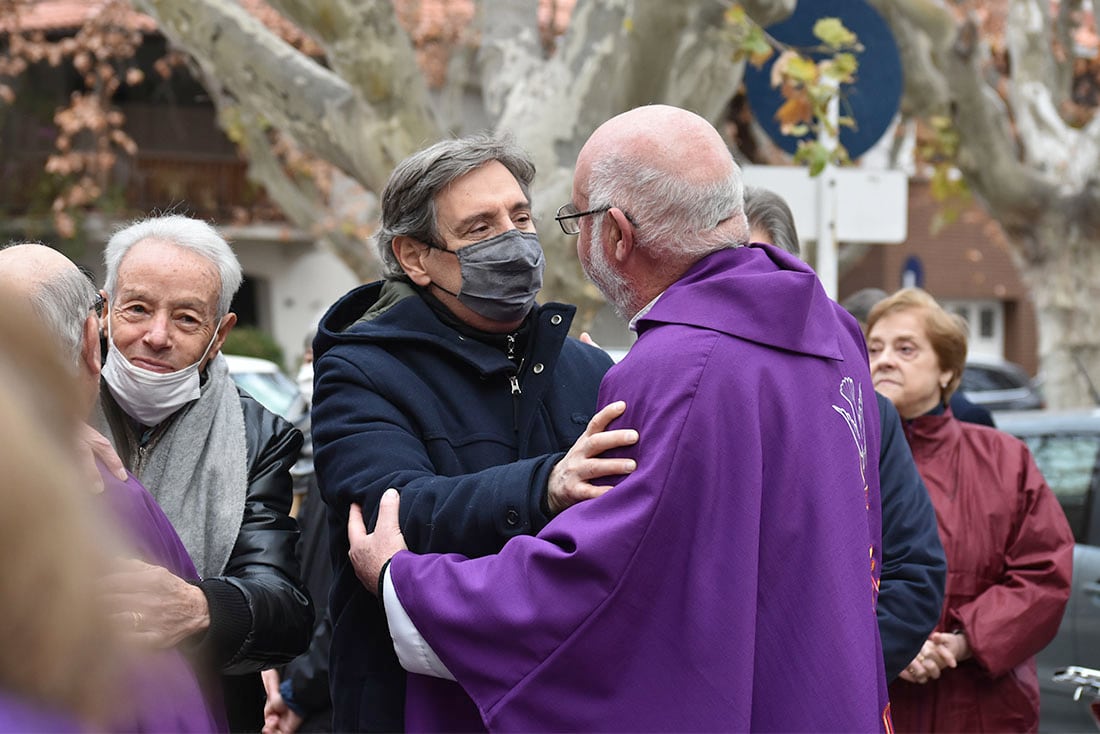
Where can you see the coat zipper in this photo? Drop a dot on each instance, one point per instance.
(513, 379)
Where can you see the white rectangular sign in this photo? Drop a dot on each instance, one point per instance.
(871, 206)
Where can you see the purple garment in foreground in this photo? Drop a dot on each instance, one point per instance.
(17, 716)
(163, 690)
(728, 584)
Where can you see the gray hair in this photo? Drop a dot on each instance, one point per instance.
(860, 303)
(408, 201)
(64, 301)
(675, 219)
(768, 211)
(191, 234)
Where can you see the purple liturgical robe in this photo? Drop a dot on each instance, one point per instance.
(19, 716)
(729, 583)
(164, 692)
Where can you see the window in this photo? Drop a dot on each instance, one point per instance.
(1068, 462)
(985, 321)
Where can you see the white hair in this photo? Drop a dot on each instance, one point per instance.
(614, 287)
(675, 219)
(192, 234)
(63, 302)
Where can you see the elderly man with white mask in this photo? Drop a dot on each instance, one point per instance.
(214, 459)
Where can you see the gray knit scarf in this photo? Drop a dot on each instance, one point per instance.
(196, 468)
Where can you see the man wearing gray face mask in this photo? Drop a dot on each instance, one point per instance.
(447, 381)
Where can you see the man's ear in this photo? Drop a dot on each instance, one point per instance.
(89, 346)
(226, 326)
(410, 256)
(622, 234)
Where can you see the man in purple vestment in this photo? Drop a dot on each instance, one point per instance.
(164, 692)
(730, 582)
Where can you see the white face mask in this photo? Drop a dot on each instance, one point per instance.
(146, 396)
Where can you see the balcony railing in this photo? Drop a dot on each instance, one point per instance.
(207, 187)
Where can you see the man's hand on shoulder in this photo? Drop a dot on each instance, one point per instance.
(96, 446)
(571, 479)
(153, 605)
(369, 552)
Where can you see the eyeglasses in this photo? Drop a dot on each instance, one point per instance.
(97, 304)
(568, 217)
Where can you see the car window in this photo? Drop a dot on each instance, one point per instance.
(1068, 463)
(983, 378)
(273, 390)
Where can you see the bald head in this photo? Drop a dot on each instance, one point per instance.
(59, 292)
(24, 268)
(667, 139)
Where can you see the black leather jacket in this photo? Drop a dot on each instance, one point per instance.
(260, 615)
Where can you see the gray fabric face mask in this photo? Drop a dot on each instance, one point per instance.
(501, 275)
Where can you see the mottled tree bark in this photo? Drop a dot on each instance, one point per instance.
(1035, 173)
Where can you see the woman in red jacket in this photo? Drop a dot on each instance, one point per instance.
(1009, 547)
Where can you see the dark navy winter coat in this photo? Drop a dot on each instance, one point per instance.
(914, 567)
(468, 436)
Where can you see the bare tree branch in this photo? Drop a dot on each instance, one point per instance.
(989, 155)
(276, 82)
(384, 75)
(1064, 27)
(922, 29)
(766, 12)
(510, 48)
(704, 75)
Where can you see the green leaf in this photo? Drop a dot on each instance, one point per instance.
(756, 47)
(833, 34)
(801, 69)
(841, 68)
(813, 154)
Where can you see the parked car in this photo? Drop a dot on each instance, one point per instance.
(999, 385)
(1066, 446)
(265, 381)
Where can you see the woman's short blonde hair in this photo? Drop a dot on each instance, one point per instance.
(947, 332)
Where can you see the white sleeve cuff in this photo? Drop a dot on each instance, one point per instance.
(413, 651)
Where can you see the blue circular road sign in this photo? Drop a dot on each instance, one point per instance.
(872, 101)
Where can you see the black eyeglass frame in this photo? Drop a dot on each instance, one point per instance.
(561, 219)
(98, 304)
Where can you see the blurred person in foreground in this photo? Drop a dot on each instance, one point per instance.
(447, 381)
(913, 564)
(164, 693)
(216, 461)
(739, 562)
(860, 303)
(60, 654)
(1009, 547)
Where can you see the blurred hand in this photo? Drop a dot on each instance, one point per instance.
(942, 650)
(954, 644)
(278, 717)
(586, 338)
(370, 551)
(96, 446)
(571, 479)
(154, 606)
